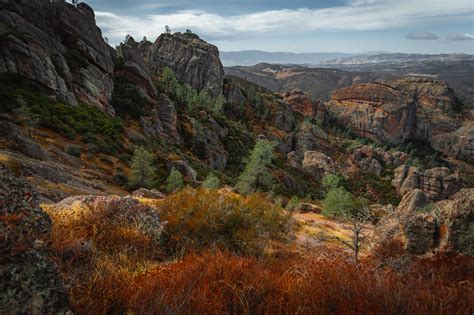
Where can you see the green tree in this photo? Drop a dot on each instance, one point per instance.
(256, 175)
(211, 182)
(143, 173)
(331, 181)
(174, 182)
(29, 118)
(170, 82)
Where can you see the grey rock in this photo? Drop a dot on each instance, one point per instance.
(29, 281)
(194, 61)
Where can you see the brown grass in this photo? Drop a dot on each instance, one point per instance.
(112, 266)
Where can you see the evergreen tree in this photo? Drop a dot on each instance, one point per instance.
(30, 119)
(143, 172)
(174, 181)
(256, 175)
(211, 182)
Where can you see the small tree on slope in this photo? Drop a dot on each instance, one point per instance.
(174, 181)
(142, 170)
(256, 175)
(341, 205)
(211, 182)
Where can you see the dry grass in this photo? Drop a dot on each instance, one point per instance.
(113, 266)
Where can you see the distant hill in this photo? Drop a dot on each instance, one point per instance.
(456, 69)
(318, 82)
(253, 57)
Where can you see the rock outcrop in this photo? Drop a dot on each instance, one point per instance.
(194, 61)
(58, 46)
(29, 281)
(412, 109)
(208, 144)
(300, 102)
(134, 69)
(438, 183)
(310, 138)
(317, 165)
(162, 122)
(445, 226)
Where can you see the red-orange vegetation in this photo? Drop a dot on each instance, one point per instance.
(112, 266)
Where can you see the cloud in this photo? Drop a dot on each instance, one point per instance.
(459, 37)
(421, 36)
(357, 15)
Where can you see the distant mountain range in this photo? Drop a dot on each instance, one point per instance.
(319, 77)
(254, 57)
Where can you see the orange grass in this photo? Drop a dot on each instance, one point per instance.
(112, 267)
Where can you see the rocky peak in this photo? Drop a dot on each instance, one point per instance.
(300, 102)
(59, 46)
(194, 61)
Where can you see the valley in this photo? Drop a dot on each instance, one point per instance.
(150, 179)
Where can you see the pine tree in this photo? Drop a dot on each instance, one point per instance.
(211, 182)
(174, 181)
(256, 175)
(143, 172)
(30, 119)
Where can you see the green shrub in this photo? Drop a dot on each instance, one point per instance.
(211, 182)
(174, 182)
(127, 100)
(74, 150)
(75, 60)
(293, 203)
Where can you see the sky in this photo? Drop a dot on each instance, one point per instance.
(351, 26)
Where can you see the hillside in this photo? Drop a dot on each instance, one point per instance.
(147, 179)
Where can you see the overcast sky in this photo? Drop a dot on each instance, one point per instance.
(420, 26)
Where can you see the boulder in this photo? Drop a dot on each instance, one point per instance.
(147, 193)
(184, 168)
(29, 281)
(317, 165)
(119, 209)
(308, 207)
(446, 226)
(456, 227)
(438, 183)
(194, 61)
(284, 119)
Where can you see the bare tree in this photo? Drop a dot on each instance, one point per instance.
(355, 213)
(360, 225)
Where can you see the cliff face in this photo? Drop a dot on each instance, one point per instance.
(405, 109)
(60, 47)
(194, 61)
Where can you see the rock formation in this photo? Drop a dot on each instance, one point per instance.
(29, 281)
(445, 226)
(317, 165)
(300, 102)
(438, 183)
(404, 109)
(194, 61)
(60, 47)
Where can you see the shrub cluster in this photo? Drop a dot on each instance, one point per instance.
(198, 219)
(95, 127)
